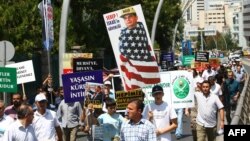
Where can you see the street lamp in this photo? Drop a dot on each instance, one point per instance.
(157, 13)
(224, 41)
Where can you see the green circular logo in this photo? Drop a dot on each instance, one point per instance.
(181, 88)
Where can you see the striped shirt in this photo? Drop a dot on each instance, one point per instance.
(207, 109)
(144, 130)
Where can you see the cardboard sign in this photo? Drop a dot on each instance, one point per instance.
(74, 84)
(178, 89)
(92, 96)
(187, 60)
(202, 56)
(81, 65)
(68, 60)
(8, 80)
(122, 98)
(97, 132)
(132, 47)
(25, 71)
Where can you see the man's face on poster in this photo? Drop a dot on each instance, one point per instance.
(130, 20)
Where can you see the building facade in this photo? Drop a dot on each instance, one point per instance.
(246, 20)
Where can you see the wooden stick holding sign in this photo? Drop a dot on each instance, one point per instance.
(24, 94)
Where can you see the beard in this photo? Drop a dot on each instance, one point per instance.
(16, 103)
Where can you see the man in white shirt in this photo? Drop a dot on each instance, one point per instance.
(215, 87)
(21, 129)
(208, 104)
(208, 72)
(45, 122)
(161, 114)
(5, 120)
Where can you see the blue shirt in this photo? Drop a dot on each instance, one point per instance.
(111, 125)
(144, 130)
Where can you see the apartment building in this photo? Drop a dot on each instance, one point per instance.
(246, 20)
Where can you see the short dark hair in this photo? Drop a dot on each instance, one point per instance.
(206, 81)
(17, 94)
(139, 103)
(110, 102)
(210, 78)
(23, 110)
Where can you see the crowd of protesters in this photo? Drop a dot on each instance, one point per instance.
(49, 117)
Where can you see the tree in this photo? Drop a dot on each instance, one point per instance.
(21, 24)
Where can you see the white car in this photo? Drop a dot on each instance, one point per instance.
(234, 57)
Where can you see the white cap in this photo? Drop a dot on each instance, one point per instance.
(107, 83)
(40, 97)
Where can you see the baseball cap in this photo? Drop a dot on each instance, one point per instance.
(40, 97)
(107, 83)
(129, 10)
(156, 89)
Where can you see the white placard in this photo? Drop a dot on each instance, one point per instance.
(25, 71)
(178, 89)
(97, 132)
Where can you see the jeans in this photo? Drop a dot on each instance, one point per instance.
(178, 131)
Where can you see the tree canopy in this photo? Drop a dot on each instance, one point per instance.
(21, 24)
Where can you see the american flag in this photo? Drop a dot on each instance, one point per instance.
(138, 64)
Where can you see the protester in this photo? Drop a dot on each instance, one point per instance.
(5, 120)
(206, 119)
(48, 88)
(231, 92)
(71, 115)
(110, 121)
(137, 128)
(161, 114)
(45, 122)
(208, 72)
(107, 90)
(240, 77)
(59, 97)
(215, 87)
(12, 109)
(21, 129)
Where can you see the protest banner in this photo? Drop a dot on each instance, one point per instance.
(74, 84)
(68, 60)
(178, 89)
(202, 56)
(81, 64)
(132, 47)
(8, 80)
(25, 71)
(123, 97)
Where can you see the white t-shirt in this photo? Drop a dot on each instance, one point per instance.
(216, 89)
(206, 74)
(162, 115)
(44, 125)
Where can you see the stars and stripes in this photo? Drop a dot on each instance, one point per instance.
(139, 67)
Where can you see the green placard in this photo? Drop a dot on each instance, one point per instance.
(8, 80)
(187, 59)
